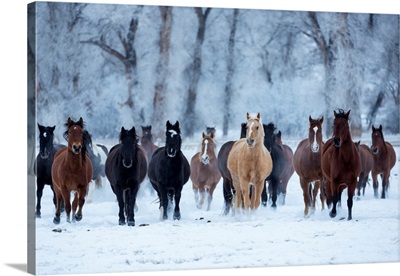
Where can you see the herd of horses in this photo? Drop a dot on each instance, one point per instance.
(254, 167)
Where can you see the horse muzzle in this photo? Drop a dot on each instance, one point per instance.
(76, 148)
(205, 160)
(127, 163)
(315, 149)
(337, 142)
(44, 154)
(171, 152)
(374, 150)
(250, 142)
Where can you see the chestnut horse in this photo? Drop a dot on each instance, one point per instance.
(307, 163)
(384, 160)
(341, 164)
(367, 163)
(250, 163)
(288, 169)
(204, 172)
(146, 141)
(72, 170)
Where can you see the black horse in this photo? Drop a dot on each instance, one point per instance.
(126, 168)
(169, 170)
(227, 185)
(43, 162)
(278, 160)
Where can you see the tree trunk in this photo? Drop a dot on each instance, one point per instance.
(194, 71)
(229, 76)
(162, 71)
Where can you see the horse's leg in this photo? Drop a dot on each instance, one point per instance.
(227, 192)
(317, 187)
(39, 194)
(275, 184)
(350, 194)
(335, 199)
(131, 200)
(120, 198)
(59, 199)
(90, 192)
(81, 201)
(210, 193)
(67, 202)
(196, 193)
(322, 194)
(360, 183)
(75, 205)
(328, 193)
(245, 187)
(177, 211)
(284, 183)
(238, 194)
(264, 194)
(163, 202)
(385, 183)
(202, 196)
(257, 191)
(375, 183)
(306, 194)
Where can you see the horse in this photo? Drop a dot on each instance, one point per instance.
(384, 160)
(43, 162)
(72, 171)
(126, 168)
(227, 185)
(98, 155)
(146, 141)
(288, 169)
(307, 164)
(367, 163)
(341, 164)
(169, 170)
(279, 163)
(204, 172)
(210, 130)
(250, 163)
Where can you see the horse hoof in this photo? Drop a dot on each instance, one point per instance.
(131, 223)
(121, 222)
(56, 220)
(264, 203)
(78, 217)
(38, 215)
(177, 216)
(332, 215)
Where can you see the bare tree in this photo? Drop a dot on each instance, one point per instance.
(194, 72)
(229, 75)
(162, 69)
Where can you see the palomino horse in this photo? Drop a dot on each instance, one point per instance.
(204, 171)
(250, 163)
(384, 160)
(126, 167)
(367, 163)
(43, 163)
(307, 163)
(288, 169)
(341, 164)
(169, 170)
(72, 171)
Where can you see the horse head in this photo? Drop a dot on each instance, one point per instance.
(254, 130)
(75, 136)
(377, 139)
(210, 130)
(146, 133)
(46, 137)
(315, 133)
(128, 140)
(341, 129)
(207, 148)
(269, 138)
(173, 139)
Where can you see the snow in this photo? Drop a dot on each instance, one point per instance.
(208, 240)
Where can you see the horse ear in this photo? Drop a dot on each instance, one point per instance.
(247, 116)
(380, 128)
(321, 120)
(279, 134)
(212, 135)
(258, 115)
(123, 129)
(52, 128)
(309, 118)
(168, 124)
(80, 122)
(41, 128)
(203, 135)
(69, 122)
(373, 128)
(348, 114)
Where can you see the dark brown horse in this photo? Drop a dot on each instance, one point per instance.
(384, 160)
(204, 171)
(307, 163)
(341, 163)
(288, 169)
(72, 171)
(146, 141)
(367, 163)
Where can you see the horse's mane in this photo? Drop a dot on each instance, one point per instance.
(341, 114)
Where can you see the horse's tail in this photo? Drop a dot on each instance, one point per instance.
(103, 147)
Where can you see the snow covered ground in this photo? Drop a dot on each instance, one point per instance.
(209, 240)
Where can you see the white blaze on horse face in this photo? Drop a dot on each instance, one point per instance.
(204, 157)
(45, 134)
(173, 132)
(251, 129)
(315, 147)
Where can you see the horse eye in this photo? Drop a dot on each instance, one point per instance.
(257, 128)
